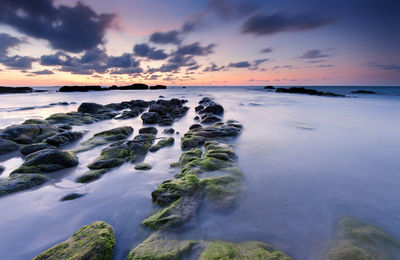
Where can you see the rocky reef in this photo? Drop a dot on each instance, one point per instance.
(313, 92)
(94, 241)
(356, 239)
(165, 112)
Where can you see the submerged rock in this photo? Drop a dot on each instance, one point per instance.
(48, 160)
(104, 137)
(169, 131)
(356, 239)
(94, 241)
(167, 246)
(162, 143)
(64, 138)
(7, 146)
(143, 166)
(150, 118)
(31, 148)
(20, 182)
(93, 108)
(71, 196)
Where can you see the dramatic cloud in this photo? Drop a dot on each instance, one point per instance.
(17, 62)
(381, 66)
(213, 67)
(266, 50)
(43, 72)
(171, 37)
(196, 49)
(144, 50)
(7, 41)
(72, 29)
(241, 64)
(123, 61)
(260, 24)
(314, 54)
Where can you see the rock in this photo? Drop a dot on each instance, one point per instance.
(166, 121)
(169, 131)
(161, 245)
(269, 87)
(150, 118)
(158, 87)
(65, 127)
(31, 148)
(71, 196)
(20, 182)
(301, 90)
(160, 109)
(35, 122)
(363, 92)
(213, 108)
(148, 130)
(7, 146)
(48, 160)
(162, 143)
(94, 241)
(209, 119)
(130, 113)
(91, 176)
(93, 108)
(81, 88)
(64, 138)
(143, 166)
(195, 126)
(136, 86)
(17, 90)
(1, 169)
(28, 133)
(196, 118)
(174, 165)
(356, 239)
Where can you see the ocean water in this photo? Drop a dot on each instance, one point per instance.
(308, 161)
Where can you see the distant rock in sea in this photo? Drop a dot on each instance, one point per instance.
(158, 87)
(81, 88)
(134, 87)
(269, 87)
(301, 90)
(15, 90)
(363, 92)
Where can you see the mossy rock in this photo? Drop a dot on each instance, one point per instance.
(64, 138)
(91, 176)
(94, 241)
(162, 143)
(7, 146)
(359, 240)
(71, 196)
(20, 182)
(156, 248)
(148, 130)
(224, 190)
(143, 166)
(175, 165)
(32, 148)
(28, 133)
(250, 250)
(48, 160)
(161, 246)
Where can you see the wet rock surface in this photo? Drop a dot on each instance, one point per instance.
(20, 182)
(356, 239)
(165, 112)
(94, 241)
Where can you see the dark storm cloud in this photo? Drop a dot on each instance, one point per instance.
(196, 67)
(266, 50)
(17, 62)
(241, 64)
(92, 56)
(43, 72)
(127, 71)
(7, 41)
(144, 50)
(72, 29)
(393, 67)
(171, 37)
(260, 24)
(123, 61)
(314, 54)
(196, 49)
(213, 67)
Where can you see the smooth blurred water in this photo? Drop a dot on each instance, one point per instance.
(308, 161)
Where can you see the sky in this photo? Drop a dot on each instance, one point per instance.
(200, 42)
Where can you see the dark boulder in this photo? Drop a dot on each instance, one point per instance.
(64, 138)
(28, 133)
(19, 182)
(158, 87)
(31, 148)
(301, 90)
(71, 196)
(269, 87)
(135, 86)
(92, 108)
(150, 118)
(148, 130)
(81, 88)
(160, 109)
(7, 146)
(169, 131)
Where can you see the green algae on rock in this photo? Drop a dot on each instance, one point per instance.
(104, 137)
(161, 246)
(359, 240)
(143, 166)
(48, 160)
(20, 182)
(94, 241)
(162, 143)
